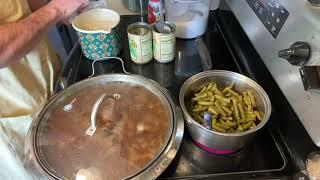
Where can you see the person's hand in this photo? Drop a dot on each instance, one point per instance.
(67, 8)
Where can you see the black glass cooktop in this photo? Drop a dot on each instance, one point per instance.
(263, 155)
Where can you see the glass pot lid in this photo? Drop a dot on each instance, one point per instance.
(133, 125)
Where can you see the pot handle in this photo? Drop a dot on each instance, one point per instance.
(93, 120)
(61, 84)
(101, 59)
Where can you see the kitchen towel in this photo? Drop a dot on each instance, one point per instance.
(24, 88)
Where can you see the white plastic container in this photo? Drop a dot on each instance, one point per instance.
(189, 16)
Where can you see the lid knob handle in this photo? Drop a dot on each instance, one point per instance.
(93, 120)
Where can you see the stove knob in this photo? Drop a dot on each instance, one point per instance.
(314, 2)
(298, 54)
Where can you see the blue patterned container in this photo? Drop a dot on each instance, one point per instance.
(98, 44)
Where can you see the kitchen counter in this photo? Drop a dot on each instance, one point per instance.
(266, 157)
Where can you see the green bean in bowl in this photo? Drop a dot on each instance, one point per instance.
(224, 109)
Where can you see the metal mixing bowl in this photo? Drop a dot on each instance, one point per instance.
(212, 140)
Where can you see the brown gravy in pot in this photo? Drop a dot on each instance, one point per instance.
(130, 133)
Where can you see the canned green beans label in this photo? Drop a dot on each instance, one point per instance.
(164, 47)
(140, 48)
(133, 48)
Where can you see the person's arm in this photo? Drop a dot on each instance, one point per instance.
(36, 4)
(17, 39)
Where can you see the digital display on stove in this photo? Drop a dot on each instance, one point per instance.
(271, 13)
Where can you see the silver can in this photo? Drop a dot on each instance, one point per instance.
(140, 42)
(164, 44)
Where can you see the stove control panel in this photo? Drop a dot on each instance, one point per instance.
(271, 13)
(298, 42)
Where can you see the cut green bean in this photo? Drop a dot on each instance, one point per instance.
(232, 108)
(258, 115)
(206, 103)
(222, 122)
(219, 129)
(251, 116)
(202, 95)
(261, 114)
(209, 87)
(203, 90)
(251, 96)
(223, 103)
(223, 126)
(227, 110)
(243, 115)
(225, 90)
(199, 118)
(213, 110)
(231, 130)
(227, 118)
(228, 124)
(217, 92)
(210, 94)
(199, 109)
(231, 123)
(201, 99)
(240, 129)
(250, 113)
(217, 105)
(246, 100)
(247, 125)
(242, 121)
(236, 110)
(214, 121)
(232, 92)
(227, 100)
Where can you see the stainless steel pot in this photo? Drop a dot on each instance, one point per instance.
(156, 166)
(209, 139)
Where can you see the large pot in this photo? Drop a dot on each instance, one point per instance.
(70, 132)
(213, 141)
